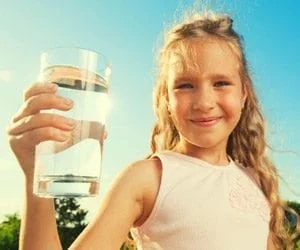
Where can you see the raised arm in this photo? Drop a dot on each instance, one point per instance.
(38, 223)
(128, 202)
(30, 127)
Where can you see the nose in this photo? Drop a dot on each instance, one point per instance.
(203, 99)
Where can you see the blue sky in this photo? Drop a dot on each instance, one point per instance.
(128, 32)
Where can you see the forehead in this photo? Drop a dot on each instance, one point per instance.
(204, 57)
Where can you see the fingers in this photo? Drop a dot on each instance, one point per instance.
(40, 120)
(39, 88)
(28, 140)
(35, 103)
(30, 126)
(30, 123)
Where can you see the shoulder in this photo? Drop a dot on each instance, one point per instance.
(143, 171)
(152, 164)
(126, 201)
(147, 176)
(144, 177)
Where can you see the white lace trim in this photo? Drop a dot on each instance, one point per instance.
(245, 195)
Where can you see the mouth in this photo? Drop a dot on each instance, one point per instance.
(206, 122)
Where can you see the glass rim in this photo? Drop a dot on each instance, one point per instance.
(77, 48)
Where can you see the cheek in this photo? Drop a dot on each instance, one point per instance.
(232, 106)
(179, 104)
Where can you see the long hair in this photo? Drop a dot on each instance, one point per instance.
(247, 144)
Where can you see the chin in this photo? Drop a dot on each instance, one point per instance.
(206, 143)
(203, 143)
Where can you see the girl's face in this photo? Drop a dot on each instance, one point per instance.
(205, 97)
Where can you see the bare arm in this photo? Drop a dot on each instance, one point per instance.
(30, 127)
(38, 223)
(123, 206)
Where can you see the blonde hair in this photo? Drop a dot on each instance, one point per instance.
(246, 144)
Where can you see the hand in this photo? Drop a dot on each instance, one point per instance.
(30, 126)
(82, 130)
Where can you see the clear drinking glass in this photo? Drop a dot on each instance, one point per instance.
(72, 168)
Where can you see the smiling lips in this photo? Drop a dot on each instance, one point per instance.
(207, 121)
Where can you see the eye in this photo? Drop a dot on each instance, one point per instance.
(185, 85)
(221, 83)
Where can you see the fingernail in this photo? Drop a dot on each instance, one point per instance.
(68, 101)
(52, 85)
(71, 122)
(64, 135)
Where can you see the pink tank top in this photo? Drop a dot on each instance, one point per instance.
(201, 206)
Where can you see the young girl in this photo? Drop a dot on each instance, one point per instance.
(208, 183)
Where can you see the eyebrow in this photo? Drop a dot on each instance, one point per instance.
(222, 76)
(193, 76)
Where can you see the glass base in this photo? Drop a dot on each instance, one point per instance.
(66, 186)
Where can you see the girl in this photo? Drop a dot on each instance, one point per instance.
(208, 183)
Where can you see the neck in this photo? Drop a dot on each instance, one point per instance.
(214, 155)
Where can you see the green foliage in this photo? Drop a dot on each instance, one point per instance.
(291, 227)
(9, 232)
(70, 219)
(129, 244)
(295, 205)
